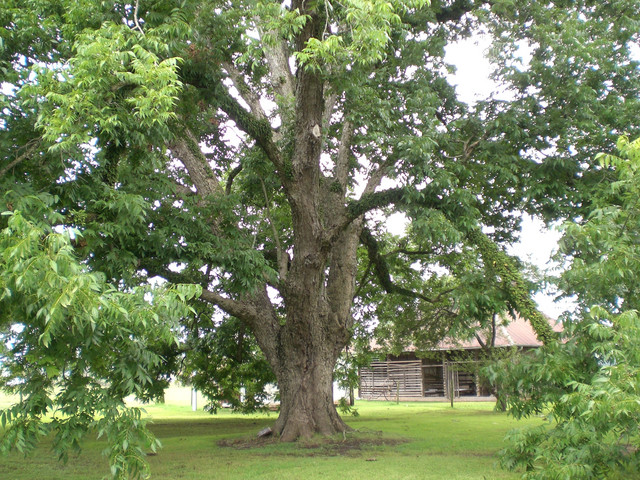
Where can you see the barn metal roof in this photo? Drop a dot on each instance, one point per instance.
(510, 332)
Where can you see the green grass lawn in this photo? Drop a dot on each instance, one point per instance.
(405, 441)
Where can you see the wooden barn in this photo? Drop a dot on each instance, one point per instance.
(448, 370)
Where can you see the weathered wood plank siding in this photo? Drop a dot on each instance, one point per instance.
(391, 378)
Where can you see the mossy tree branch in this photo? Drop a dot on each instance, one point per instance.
(500, 265)
(257, 128)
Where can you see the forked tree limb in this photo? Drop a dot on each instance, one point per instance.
(381, 269)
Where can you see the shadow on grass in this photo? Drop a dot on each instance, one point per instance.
(210, 426)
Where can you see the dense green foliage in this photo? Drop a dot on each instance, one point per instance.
(229, 354)
(74, 346)
(589, 386)
(247, 149)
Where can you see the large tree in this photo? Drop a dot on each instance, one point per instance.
(256, 148)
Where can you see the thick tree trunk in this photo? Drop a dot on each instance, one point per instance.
(318, 304)
(306, 393)
(317, 275)
(308, 346)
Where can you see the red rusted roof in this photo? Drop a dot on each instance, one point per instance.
(510, 332)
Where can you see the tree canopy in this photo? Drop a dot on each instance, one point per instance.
(254, 150)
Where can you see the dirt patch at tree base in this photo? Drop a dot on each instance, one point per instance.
(349, 444)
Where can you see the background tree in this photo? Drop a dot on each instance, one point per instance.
(256, 149)
(589, 385)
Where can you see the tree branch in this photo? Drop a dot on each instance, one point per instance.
(329, 104)
(493, 329)
(410, 252)
(135, 17)
(257, 311)
(480, 341)
(382, 271)
(365, 276)
(257, 128)
(29, 148)
(278, 61)
(187, 150)
(371, 201)
(283, 260)
(500, 265)
(241, 310)
(245, 91)
(234, 173)
(180, 189)
(344, 152)
(255, 308)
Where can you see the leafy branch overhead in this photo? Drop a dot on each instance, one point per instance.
(77, 346)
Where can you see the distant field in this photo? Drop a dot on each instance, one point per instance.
(391, 442)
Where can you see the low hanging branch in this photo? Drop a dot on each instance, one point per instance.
(501, 265)
(496, 262)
